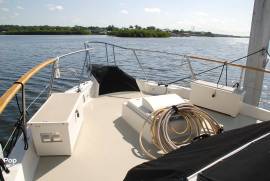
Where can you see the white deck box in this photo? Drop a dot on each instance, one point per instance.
(135, 112)
(55, 127)
(219, 98)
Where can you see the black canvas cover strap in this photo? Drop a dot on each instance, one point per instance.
(3, 168)
(183, 162)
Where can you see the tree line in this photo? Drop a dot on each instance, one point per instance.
(131, 31)
(43, 30)
(138, 31)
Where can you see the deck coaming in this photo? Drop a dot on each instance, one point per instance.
(107, 148)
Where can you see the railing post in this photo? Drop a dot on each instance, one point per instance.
(24, 109)
(114, 56)
(107, 57)
(134, 52)
(89, 64)
(84, 64)
(190, 68)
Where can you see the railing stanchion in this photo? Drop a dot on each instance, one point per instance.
(89, 63)
(24, 108)
(84, 64)
(145, 76)
(193, 75)
(107, 57)
(114, 56)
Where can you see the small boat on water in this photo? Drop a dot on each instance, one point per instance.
(113, 126)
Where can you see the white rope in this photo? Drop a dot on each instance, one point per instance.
(198, 123)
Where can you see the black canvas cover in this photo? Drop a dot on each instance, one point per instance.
(251, 163)
(113, 79)
(183, 162)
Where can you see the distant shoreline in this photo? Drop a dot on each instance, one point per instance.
(133, 31)
(121, 37)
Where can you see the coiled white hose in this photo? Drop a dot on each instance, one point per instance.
(198, 123)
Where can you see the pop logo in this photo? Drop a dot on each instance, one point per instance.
(10, 161)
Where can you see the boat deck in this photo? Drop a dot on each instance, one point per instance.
(107, 147)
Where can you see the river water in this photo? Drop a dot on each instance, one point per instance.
(20, 53)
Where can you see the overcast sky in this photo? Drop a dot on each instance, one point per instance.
(218, 16)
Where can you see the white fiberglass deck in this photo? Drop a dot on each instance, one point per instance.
(107, 147)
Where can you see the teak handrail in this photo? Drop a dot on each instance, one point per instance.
(11, 92)
(228, 63)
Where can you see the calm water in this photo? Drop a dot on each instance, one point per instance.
(20, 53)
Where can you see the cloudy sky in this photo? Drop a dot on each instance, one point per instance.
(219, 16)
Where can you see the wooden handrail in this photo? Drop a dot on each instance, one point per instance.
(230, 64)
(11, 92)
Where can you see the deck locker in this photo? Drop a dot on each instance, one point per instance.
(55, 127)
